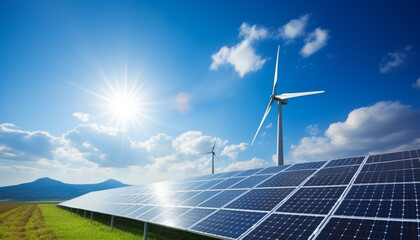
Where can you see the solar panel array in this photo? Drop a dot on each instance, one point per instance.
(371, 197)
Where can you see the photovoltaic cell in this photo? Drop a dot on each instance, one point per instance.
(405, 175)
(312, 200)
(345, 162)
(249, 172)
(187, 186)
(389, 157)
(143, 211)
(208, 184)
(281, 226)
(395, 165)
(222, 198)
(409, 191)
(227, 183)
(384, 200)
(332, 176)
(342, 228)
(414, 153)
(273, 169)
(191, 217)
(231, 174)
(128, 209)
(379, 208)
(302, 166)
(214, 176)
(261, 199)
(251, 181)
(170, 217)
(199, 198)
(139, 211)
(180, 197)
(284, 179)
(228, 223)
(152, 213)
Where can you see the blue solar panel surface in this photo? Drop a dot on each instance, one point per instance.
(371, 197)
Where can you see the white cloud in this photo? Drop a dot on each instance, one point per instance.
(20, 145)
(242, 56)
(394, 59)
(416, 84)
(84, 117)
(314, 42)
(295, 28)
(312, 129)
(93, 149)
(269, 125)
(381, 127)
(106, 146)
(233, 150)
(19, 169)
(244, 165)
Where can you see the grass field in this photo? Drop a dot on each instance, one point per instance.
(47, 221)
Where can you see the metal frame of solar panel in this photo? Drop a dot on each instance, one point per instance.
(374, 197)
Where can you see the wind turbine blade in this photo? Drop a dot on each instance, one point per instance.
(275, 72)
(204, 153)
(284, 96)
(214, 145)
(262, 121)
(218, 158)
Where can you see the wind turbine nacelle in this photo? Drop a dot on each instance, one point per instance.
(280, 100)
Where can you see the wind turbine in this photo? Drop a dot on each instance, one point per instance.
(281, 100)
(213, 154)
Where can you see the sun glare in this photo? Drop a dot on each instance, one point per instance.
(125, 104)
(124, 107)
(125, 101)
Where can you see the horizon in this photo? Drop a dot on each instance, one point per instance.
(138, 90)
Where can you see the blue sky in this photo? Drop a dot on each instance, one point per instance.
(192, 71)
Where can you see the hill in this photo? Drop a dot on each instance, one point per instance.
(45, 189)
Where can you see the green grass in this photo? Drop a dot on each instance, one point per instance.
(47, 221)
(71, 226)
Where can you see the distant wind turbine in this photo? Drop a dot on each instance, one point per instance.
(281, 100)
(213, 155)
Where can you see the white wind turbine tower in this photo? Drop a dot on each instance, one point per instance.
(281, 100)
(213, 154)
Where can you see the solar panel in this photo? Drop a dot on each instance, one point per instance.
(251, 181)
(370, 197)
(333, 176)
(261, 199)
(273, 169)
(228, 223)
(312, 200)
(302, 166)
(191, 217)
(170, 217)
(227, 183)
(345, 162)
(139, 211)
(208, 184)
(199, 198)
(282, 226)
(386, 201)
(249, 172)
(222, 198)
(344, 228)
(283, 179)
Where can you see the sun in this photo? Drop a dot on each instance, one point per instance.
(125, 103)
(124, 107)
